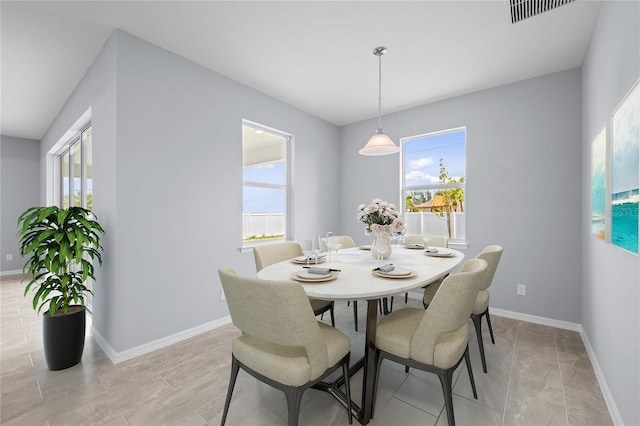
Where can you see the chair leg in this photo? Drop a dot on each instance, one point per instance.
(294, 395)
(235, 367)
(446, 377)
(391, 307)
(333, 319)
(347, 388)
(355, 313)
(467, 360)
(486, 313)
(406, 369)
(478, 325)
(406, 297)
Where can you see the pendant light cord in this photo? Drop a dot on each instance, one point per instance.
(380, 92)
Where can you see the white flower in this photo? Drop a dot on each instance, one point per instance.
(384, 204)
(376, 201)
(361, 206)
(371, 208)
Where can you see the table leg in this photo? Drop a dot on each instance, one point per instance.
(369, 361)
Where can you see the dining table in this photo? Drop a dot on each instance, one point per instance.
(356, 276)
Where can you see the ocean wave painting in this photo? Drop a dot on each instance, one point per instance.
(625, 172)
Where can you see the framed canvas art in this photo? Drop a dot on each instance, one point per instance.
(625, 172)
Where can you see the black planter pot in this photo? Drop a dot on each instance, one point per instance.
(63, 337)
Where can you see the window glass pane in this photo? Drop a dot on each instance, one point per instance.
(424, 156)
(434, 184)
(76, 170)
(64, 180)
(88, 146)
(268, 173)
(263, 213)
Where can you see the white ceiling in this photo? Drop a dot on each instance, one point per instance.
(316, 56)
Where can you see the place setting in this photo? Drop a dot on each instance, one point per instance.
(391, 271)
(438, 252)
(313, 274)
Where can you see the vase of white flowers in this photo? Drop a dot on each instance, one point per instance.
(383, 221)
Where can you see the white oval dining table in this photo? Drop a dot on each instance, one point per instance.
(357, 281)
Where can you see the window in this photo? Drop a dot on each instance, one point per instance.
(265, 175)
(76, 172)
(433, 184)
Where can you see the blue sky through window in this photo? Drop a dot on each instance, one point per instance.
(422, 157)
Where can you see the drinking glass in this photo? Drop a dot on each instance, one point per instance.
(307, 249)
(316, 248)
(328, 241)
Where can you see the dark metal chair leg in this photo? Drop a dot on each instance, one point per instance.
(406, 369)
(486, 313)
(445, 377)
(406, 297)
(294, 395)
(235, 367)
(467, 360)
(478, 325)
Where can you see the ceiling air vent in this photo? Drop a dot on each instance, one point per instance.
(523, 9)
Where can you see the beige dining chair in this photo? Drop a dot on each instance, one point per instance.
(286, 348)
(269, 254)
(434, 340)
(491, 254)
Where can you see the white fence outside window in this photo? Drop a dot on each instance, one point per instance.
(262, 224)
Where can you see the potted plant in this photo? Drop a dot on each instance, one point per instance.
(60, 246)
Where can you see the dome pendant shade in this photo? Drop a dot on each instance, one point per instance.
(379, 144)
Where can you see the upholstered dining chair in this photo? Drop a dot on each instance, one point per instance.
(491, 254)
(286, 348)
(434, 340)
(269, 254)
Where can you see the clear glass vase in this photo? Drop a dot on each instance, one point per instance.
(381, 248)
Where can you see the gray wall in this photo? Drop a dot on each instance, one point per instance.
(168, 184)
(611, 276)
(19, 190)
(523, 175)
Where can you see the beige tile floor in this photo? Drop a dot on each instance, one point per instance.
(537, 376)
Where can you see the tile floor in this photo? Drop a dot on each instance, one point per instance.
(537, 376)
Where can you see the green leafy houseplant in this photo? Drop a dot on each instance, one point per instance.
(61, 245)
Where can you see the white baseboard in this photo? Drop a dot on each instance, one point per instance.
(118, 357)
(565, 325)
(606, 392)
(16, 272)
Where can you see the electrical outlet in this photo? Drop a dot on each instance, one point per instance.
(521, 290)
(222, 296)
(9, 257)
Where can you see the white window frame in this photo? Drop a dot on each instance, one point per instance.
(286, 187)
(58, 182)
(404, 188)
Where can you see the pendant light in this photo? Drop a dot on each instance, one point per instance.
(379, 144)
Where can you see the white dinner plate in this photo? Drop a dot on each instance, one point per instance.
(414, 246)
(440, 253)
(368, 248)
(398, 272)
(312, 260)
(307, 277)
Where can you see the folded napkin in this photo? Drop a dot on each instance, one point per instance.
(386, 268)
(320, 271)
(431, 250)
